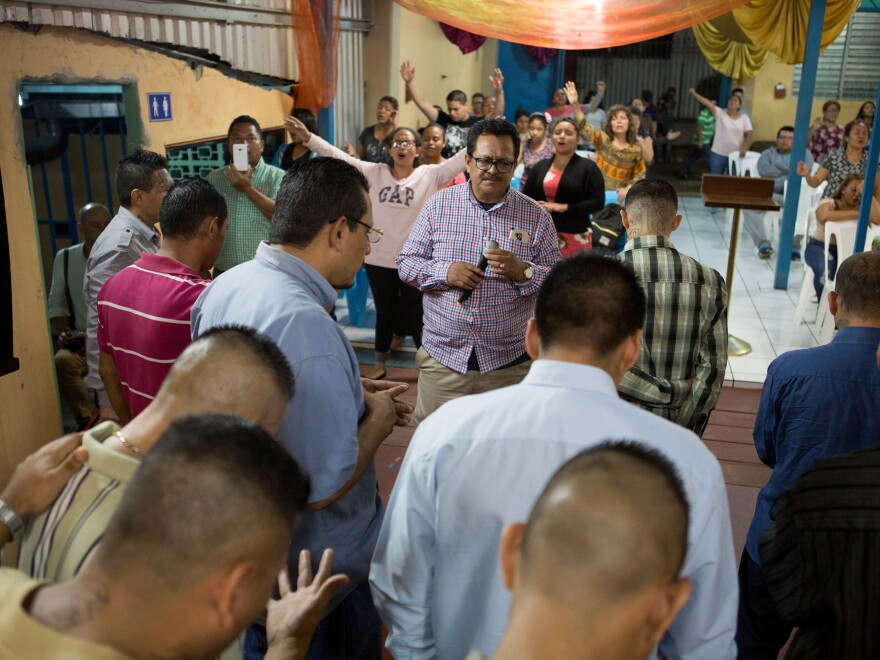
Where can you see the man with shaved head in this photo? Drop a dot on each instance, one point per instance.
(480, 462)
(681, 365)
(228, 369)
(594, 572)
(67, 311)
(173, 576)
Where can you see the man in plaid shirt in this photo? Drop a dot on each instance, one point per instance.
(479, 344)
(250, 196)
(684, 345)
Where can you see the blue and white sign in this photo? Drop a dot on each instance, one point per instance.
(160, 106)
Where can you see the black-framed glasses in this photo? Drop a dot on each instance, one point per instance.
(373, 234)
(502, 166)
(402, 144)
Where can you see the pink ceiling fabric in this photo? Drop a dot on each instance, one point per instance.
(572, 24)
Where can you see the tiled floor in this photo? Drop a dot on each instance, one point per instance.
(759, 314)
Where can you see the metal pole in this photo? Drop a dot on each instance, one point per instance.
(799, 148)
(868, 190)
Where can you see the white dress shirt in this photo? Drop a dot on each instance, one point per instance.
(480, 462)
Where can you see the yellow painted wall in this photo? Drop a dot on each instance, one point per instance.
(440, 66)
(203, 103)
(769, 113)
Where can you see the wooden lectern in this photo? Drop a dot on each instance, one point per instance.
(737, 192)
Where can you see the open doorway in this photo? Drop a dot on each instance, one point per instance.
(74, 136)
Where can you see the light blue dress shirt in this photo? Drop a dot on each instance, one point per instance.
(284, 298)
(480, 462)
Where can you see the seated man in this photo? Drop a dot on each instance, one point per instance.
(816, 402)
(480, 462)
(774, 163)
(684, 348)
(248, 376)
(67, 312)
(169, 580)
(597, 581)
(143, 310)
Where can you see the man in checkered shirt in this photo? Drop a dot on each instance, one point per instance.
(479, 344)
(684, 345)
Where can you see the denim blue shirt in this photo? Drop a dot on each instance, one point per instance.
(284, 298)
(816, 402)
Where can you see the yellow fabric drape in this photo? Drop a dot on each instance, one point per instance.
(780, 26)
(734, 59)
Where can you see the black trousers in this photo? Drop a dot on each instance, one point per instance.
(398, 308)
(760, 631)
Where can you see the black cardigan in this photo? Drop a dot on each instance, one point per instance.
(582, 187)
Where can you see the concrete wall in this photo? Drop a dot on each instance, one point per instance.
(440, 66)
(203, 102)
(769, 113)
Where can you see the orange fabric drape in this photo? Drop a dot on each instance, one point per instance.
(316, 30)
(571, 24)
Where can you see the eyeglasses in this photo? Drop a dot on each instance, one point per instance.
(485, 164)
(373, 234)
(404, 144)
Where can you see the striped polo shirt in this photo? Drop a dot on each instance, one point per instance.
(143, 322)
(56, 544)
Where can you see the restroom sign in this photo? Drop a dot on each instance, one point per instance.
(160, 106)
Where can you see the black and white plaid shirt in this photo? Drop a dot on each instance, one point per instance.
(684, 344)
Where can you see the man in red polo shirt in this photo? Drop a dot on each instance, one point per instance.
(143, 310)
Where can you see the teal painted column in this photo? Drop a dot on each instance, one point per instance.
(799, 148)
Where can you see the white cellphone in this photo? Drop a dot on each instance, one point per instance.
(240, 157)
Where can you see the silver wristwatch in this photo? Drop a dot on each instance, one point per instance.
(11, 519)
(528, 272)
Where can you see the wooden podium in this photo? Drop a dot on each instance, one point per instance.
(737, 192)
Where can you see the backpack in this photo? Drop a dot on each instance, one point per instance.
(608, 231)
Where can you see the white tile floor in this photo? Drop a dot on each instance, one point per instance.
(759, 314)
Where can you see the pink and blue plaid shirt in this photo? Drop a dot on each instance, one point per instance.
(454, 227)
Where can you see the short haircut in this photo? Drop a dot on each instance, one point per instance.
(612, 521)
(851, 125)
(456, 95)
(538, 116)
(589, 301)
(828, 104)
(521, 112)
(614, 110)
(255, 349)
(647, 95)
(187, 204)
(496, 127)
(857, 284)
(135, 172)
(307, 117)
(477, 95)
(244, 119)
(737, 89)
(788, 129)
(391, 101)
(654, 205)
(314, 193)
(89, 208)
(207, 475)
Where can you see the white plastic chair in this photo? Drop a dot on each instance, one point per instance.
(805, 205)
(806, 292)
(743, 166)
(844, 234)
(873, 232)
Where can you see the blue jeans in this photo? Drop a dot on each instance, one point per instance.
(814, 256)
(352, 631)
(717, 163)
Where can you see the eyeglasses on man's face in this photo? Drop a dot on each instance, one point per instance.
(402, 144)
(373, 234)
(502, 166)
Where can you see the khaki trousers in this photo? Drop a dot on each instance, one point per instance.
(439, 384)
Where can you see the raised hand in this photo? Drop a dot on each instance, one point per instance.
(407, 72)
(297, 129)
(600, 85)
(497, 81)
(571, 92)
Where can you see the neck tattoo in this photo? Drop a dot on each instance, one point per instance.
(127, 444)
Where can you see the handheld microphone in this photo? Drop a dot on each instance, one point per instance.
(484, 263)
